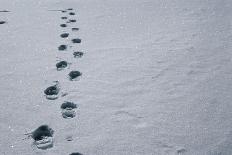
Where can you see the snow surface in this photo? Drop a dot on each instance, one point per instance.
(156, 77)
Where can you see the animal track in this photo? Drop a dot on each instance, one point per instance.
(78, 54)
(2, 22)
(70, 9)
(75, 29)
(62, 47)
(68, 109)
(74, 75)
(77, 40)
(63, 25)
(52, 91)
(72, 13)
(72, 21)
(64, 17)
(64, 35)
(43, 137)
(76, 153)
(61, 65)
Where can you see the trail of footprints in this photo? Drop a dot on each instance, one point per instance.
(43, 135)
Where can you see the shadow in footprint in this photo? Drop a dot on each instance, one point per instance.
(2, 22)
(75, 29)
(76, 153)
(74, 75)
(64, 17)
(43, 137)
(68, 109)
(78, 54)
(63, 25)
(64, 35)
(62, 47)
(77, 40)
(72, 21)
(63, 11)
(52, 92)
(61, 65)
(71, 13)
(4, 11)
(70, 9)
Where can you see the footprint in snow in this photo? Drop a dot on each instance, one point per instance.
(78, 54)
(43, 137)
(75, 29)
(62, 47)
(76, 153)
(77, 40)
(70, 9)
(61, 65)
(2, 22)
(73, 75)
(68, 109)
(72, 13)
(64, 35)
(63, 25)
(52, 92)
(72, 21)
(64, 17)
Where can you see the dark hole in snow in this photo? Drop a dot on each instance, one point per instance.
(52, 90)
(41, 132)
(72, 20)
(64, 17)
(71, 13)
(62, 47)
(69, 105)
(61, 65)
(75, 29)
(70, 9)
(76, 153)
(74, 74)
(78, 54)
(64, 35)
(77, 40)
(2, 22)
(63, 25)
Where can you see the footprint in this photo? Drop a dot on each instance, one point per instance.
(77, 40)
(64, 35)
(43, 137)
(78, 54)
(2, 22)
(70, 9)
(52, 91)
(75, 29)
(68, 109)
(62, 47)
(73, 75)
(71, 13)
(63, 25)
(4, 11)
(61, 65)
(72, 21)
(63, 11)
(76, 153)
(64, 17)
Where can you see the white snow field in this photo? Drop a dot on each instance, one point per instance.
(156, 76)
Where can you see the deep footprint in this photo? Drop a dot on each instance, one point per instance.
(72, 21)
(71, 13)
(76, 153)
(2, 22)
(73, 75)
(62, 47)
(61, 65)
(52, 91)
(64, 17)
(64, 35)
(75, 29)
(68, 109)
(63, 25)
(43, 137)
(77, 40)
(78, 54)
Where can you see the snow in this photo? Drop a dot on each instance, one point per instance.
(156, 76)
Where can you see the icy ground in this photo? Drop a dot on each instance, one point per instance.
(156, 76)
